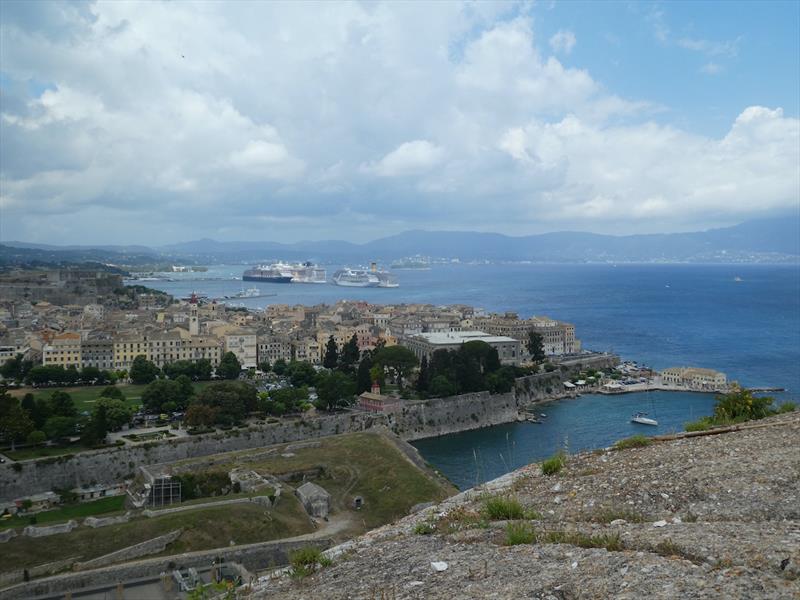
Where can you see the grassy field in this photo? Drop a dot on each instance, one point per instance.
(360, 464)
(104, 506)
(85, 396)
(203, 529)
(42, 451)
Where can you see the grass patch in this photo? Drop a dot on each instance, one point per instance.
(45, 451)
(203, 529)
(425, 528)
(610, 541)
(502, 508)
(786, 407)
(519, 532)
(104, 506)
(306, 560)
(636, 441)
(555, 463)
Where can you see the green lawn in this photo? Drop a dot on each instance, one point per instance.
(203, 529)
(42, 451)
(73, 511)
(85, 396)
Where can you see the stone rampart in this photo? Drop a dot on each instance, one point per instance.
(254, 557)
(152, 546)
(95, 522)
(46, 530)
(415, 420)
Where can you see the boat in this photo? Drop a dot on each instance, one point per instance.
(643, 419)
(252, 292)
(738, 279)
(372, 277)
(280, 272)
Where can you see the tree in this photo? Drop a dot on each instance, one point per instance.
(15, 424)
(37, 410)
(279, 368)
(301, 374)
(202, 369)
(59, 427)
(163, 392)
(535, 346)
(90, 374)
(229, 366)
(200, 415)
(112, 391)
(61, 404)
(117, 413)
(232, 399)
(441, 387)
(96, 429)
(16, 368)
(36, 437)
(331, 358)
(143, 371)
(363, 377)
(264, 366)
(350, 354)
(397, 359)
(185, 389)
(334, 390)
(289, 399)
(423, 378)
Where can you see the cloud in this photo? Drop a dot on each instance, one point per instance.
(563, 41)
(409, 158)
(258, 121)
(727, 49)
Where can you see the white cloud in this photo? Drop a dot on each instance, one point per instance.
(410, 158)
(563, 41)
(231, 119)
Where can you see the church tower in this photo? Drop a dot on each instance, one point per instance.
(194, 321)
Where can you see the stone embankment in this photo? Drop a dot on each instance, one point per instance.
(416, 420)
(713, 516)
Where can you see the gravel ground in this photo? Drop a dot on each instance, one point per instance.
(705, 517)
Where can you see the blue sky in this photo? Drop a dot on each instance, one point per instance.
(156, 122)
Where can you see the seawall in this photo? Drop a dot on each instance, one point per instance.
(415, 420)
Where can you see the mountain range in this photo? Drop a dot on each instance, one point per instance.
(764, 240)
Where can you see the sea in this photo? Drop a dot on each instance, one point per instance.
(741, 319)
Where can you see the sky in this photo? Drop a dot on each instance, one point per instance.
(160, 122)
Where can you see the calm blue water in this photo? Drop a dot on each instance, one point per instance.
(661, 315)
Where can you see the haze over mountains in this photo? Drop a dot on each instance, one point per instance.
(764, 240)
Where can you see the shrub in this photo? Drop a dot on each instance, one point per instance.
(786, 407)
(305, 560)
(499, 508)
(425, 528)
(700, 425)
(610, 541)
(636, 441)
(555, 463)
(519, 533)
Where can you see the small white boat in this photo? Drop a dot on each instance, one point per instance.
(643, 419)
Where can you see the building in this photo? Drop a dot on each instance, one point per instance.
(243, 343)
(558, 337)
(64, 350)
(509, 350)
(97, 352)
(694, 378)
(314, 499)
(273, 348)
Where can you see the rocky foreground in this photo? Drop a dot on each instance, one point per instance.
(704, 517)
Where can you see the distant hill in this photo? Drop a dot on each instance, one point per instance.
(764, 240)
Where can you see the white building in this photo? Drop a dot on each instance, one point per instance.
(422, 345)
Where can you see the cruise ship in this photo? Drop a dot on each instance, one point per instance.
(372, 277)
(286, 273)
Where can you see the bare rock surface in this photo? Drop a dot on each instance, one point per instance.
(704, 517)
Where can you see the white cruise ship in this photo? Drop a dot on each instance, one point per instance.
(348, 277)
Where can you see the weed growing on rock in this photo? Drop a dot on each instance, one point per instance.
(610, 541)
(519, 533)
(305, 561)
(425, 528)
(499, 508)
(636, 441)
(555, 463)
